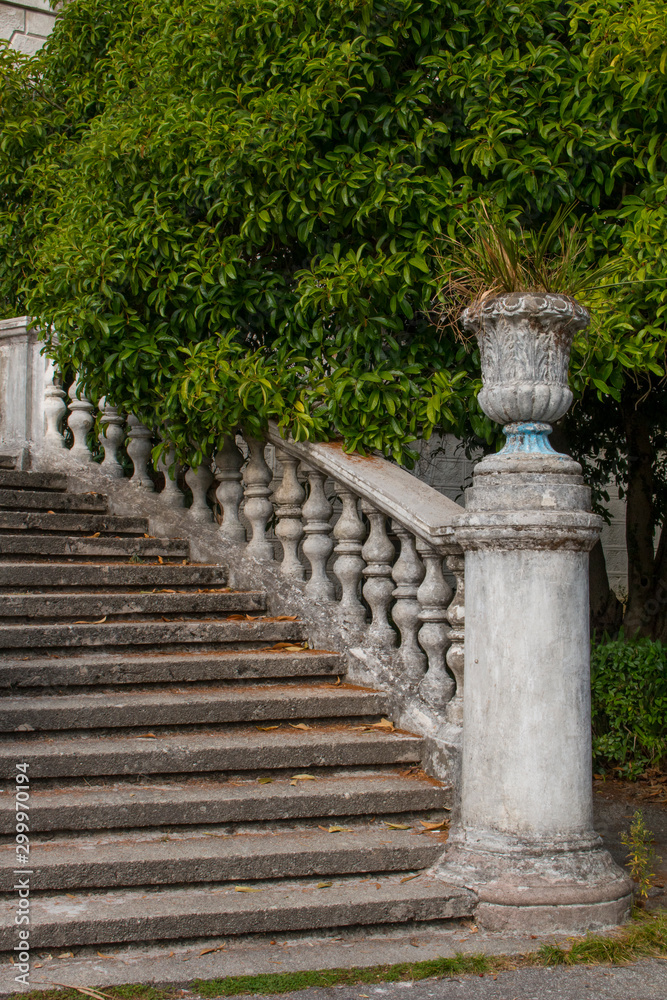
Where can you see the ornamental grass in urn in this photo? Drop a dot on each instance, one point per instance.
(516, 292)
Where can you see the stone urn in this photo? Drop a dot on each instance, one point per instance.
(523, 839)
(525, 341)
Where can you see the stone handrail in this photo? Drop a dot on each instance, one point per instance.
(415, 505)
(358, 534)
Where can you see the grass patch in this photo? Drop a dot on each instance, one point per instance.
(645, 937)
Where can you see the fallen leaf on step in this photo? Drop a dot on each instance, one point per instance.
(409, 877)
(245, 888)
(207, 951)
(100, 622)
(434, 826)
(96, 535)
(324, 885)
(71, 895)
(300, 725)
(264, 781)
(383, 724)
(398, 826)
(146, 736)
(50, 512)
(265, 729)
(414, 942)
(335, 829)
(338, 681)
(285, 618)
(165, 591)
(161, 560)
(66, 954)
(102, 955)
(304, 777)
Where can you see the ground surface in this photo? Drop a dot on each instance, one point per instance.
(642, 981)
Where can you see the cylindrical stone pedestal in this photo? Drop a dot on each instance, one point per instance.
(525, 840)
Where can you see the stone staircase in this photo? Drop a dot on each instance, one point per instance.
(196, 772)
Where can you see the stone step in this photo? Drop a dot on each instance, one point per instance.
(141, 859)
(63, 606)
(16, 480)
(138, 668)
(45, 501)
(217, 750)
(124, 804)
(88, 524)
(71, 546)
(188, 706)
(102, 576)
(290, 905)
(256, 631)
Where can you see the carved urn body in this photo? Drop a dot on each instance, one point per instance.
(525, 341)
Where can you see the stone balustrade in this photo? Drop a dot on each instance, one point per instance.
(376, 543)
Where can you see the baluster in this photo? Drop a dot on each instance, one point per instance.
(288, 499)
(456, 618)
(139, 446)
(80, 421)
(318, 545)
(199, 482)
(434, 594)
(54, 409)
(378, 554)
(408, 573)
(350, 533)
(258, 508)
(229, 493)
(170, 494)
(111, 437)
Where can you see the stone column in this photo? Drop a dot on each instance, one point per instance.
(524, 840)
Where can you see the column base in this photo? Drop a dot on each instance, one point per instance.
(544, 887)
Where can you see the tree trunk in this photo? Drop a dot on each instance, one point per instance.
(605, 607)
(655, 609)
(640, 518)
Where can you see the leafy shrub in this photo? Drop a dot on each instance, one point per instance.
(629, 696)
(230, 210)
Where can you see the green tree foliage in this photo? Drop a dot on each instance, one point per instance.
(231, 210)
(629, 705)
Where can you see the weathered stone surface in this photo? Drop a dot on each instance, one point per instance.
(63, 606)
(119, 861)
(94, 548)
(224, 750)
(170, 706)
(144, 668)
(89, 576)
(124, 915)
(152, 633)
(104, 807)
(524, 836)
(17, 480)
(25, 500)
(72, 523)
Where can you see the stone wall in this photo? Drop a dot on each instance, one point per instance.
(26, 25)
